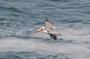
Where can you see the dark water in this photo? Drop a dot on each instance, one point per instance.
(19, 18)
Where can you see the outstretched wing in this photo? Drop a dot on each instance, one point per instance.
(49, 24)
(53, 36)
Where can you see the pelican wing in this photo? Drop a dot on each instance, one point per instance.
(53, 36)
(49, 24)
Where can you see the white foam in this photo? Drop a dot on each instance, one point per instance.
(80, 50)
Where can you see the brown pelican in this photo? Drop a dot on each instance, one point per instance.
(49, 29)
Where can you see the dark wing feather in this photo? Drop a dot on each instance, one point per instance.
(53, 36)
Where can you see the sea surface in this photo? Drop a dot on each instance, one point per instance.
(20, 18)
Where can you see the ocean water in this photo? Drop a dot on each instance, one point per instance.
(19, 18)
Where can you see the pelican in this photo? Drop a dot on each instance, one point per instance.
(49, 28)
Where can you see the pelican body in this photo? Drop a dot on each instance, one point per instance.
(49, 29)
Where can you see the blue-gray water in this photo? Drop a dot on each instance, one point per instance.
(19, 18)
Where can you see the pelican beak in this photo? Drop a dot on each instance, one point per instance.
(59, 34)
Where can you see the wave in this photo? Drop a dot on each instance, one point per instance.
(13, 9)
(73, 41)
(45, 47)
